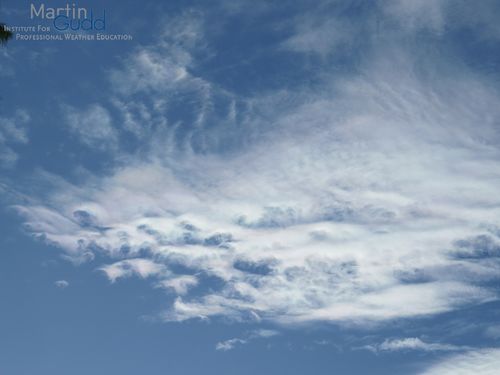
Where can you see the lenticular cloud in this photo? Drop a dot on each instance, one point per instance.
(376, 198)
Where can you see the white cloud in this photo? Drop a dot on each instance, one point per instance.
(477, 362)
(264, 333)
(62, 284)
(93, 126)
(323, 38)
(361, 201)
(180, 284)
(413, 15)
(374, 169)
(229, 344)
(440, 17)
(12, 132)
(163, 103)
(141, 267)
(326, 31)
(412, 343)
(232, 343)
(147, 69)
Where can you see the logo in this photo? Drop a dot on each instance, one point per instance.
(69, 17)
(64, 23)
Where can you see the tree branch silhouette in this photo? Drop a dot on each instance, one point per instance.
(5, 34)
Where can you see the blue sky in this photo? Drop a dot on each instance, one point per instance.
(252, 187)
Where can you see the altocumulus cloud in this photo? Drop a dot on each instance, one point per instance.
(373, 197)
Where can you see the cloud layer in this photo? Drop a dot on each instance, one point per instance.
(371, 197)
(480, 362)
